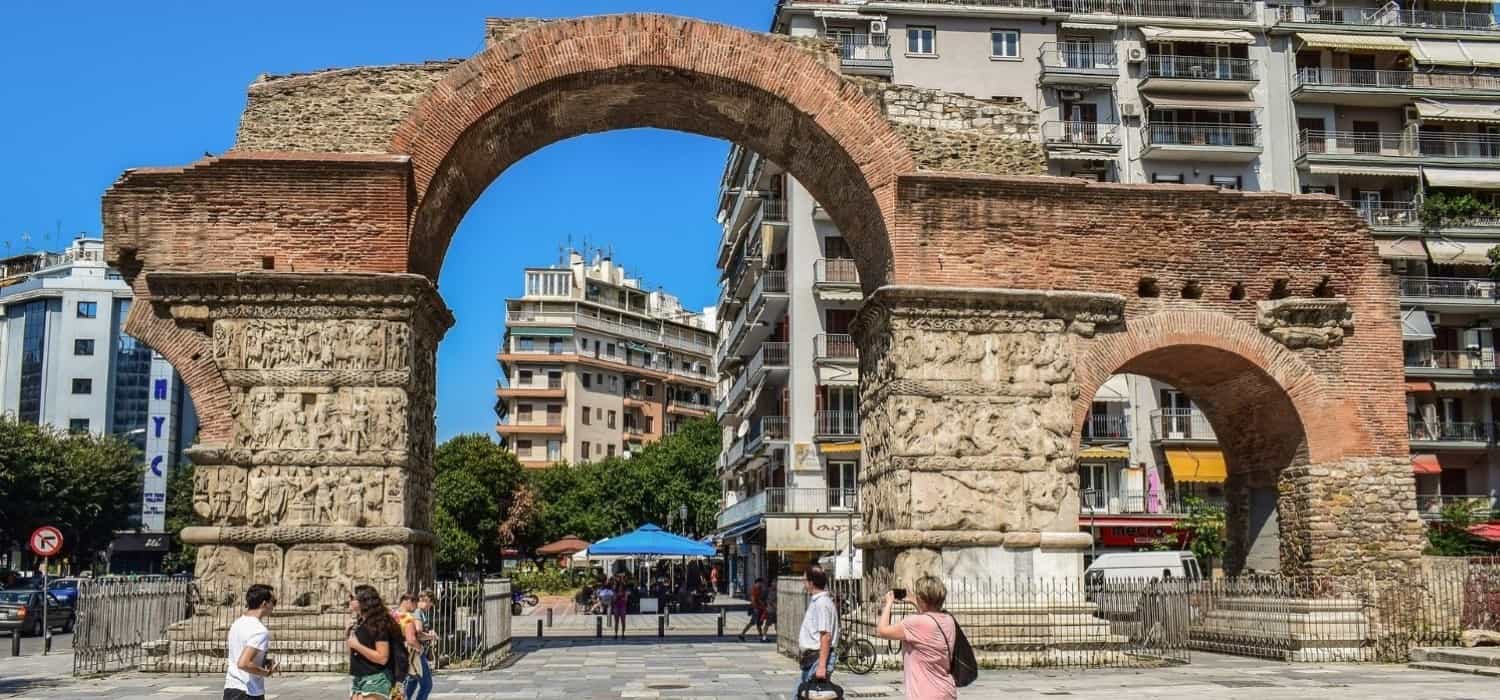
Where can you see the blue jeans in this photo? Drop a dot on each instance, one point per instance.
(808, 674)
(418, 688)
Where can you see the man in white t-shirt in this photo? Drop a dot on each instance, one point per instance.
(246, 672)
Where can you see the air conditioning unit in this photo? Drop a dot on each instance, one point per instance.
(1317, 3)
(1434, 317)
(1136, 54)
(1130, 109)
(1069, 95)
(877, 26)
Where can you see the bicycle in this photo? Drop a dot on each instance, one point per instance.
(856, 654)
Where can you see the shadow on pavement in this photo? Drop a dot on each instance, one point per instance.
(16, 686)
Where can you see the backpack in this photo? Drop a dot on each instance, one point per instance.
(399, 663)
(961, 662)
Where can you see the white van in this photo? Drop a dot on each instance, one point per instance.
(1144, 566)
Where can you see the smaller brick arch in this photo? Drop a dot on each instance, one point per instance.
(189, 352)
(570, 77)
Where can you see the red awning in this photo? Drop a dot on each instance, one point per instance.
(1124, 521)
(1486, 531)
(1418, 387)
(1425, 464)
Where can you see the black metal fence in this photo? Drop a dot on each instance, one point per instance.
(1136, 622)
(173, 627)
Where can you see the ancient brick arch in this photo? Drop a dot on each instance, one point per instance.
(571, 77)
(291, 280)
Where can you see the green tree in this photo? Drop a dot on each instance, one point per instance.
(475, 485)
(1449, 536)
(181, 557)
(1204, 524)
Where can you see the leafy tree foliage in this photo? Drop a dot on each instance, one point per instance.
(1204, 523)
(475, 485)
(85, 485)
(180, 557)
(1449, 537)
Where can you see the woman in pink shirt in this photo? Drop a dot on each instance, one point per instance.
(926, 641)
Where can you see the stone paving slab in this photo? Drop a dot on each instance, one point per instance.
(677, 668)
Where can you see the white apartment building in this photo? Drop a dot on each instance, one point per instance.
(1390, 106)
(595, 366)
(65, 362)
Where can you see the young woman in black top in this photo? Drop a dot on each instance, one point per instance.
(369, 643)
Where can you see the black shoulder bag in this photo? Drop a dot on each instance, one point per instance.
(961, 662)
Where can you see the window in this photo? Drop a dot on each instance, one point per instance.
(525, 344)
(614, 384)
(83, 346)
(83, 386)
(598, 413)
(33, 344)
(611, 422)
(523, 413)
(921, 40)
(523, 448)
(1225, 182)
(650, 390)
(88, 309)
(554, 450)
(588, 380)
(554, 346)
(523, 377)
(843, 485)
(1005, 43)
(586, 421)
(554, 415)
(1166, 179)
(609, 349)
(585, 446)
(611, 450)
(78, 425)
(554, 379)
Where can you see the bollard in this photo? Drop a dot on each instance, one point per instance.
(47, 643)
(599, 626)
(669, 617)
(538, 629)
(661, 626)
(15, 642)
(549, 617)
(721, 623)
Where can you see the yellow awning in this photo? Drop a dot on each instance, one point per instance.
(1212, 36)
(839, 448)
(1104, 453)
(1197, 465)
(1458, 111)
(1346, 41)
(1460, 177)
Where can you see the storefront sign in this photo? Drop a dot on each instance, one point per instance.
(1139, 536)
(824, 533)
(159, 443)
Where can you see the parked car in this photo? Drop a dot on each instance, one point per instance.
(21, 613)
(65, 590)
(1142, 566)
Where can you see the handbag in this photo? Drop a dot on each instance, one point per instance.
(414, 660)
(961, 662)
(815, 689)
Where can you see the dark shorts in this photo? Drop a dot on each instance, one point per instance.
(237, 694)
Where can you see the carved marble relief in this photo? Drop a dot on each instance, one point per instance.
(1305, 322)
(351, 419)
(301, 496)
(323, 344)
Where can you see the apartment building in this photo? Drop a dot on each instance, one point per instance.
(66, 362)
(789, 375)
(594, 366)
(1391, 107)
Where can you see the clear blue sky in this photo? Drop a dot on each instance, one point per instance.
(92, 88)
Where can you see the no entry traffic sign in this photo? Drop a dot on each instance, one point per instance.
(46, 541)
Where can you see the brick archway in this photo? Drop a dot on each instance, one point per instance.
(572, 77)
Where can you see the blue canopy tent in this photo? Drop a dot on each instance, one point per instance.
(650, 541)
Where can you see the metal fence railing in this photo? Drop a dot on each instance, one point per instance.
(1199, 68)
(835, 346)
(174, 627)
(1474, 288)
(1147, 622)
(1082, 133)
(1201, 134)
(835, 271)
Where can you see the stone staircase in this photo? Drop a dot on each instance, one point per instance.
(1317, 630)
(1484, 661)
(302, 641)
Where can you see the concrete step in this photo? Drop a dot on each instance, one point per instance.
(1477, 656)
(1490, 671)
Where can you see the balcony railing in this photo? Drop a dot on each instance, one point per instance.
(1197, 134)
(772, 209)
(835, 271)
(640, 332)
(1479, 289)
(1192, 9)
(1380, 214)
(770, 282)
(789, 500)
(1373, 17)
(1473, 145)
(1112, 501)
(864, 47)
(1199, 68)
(1106, 427)
(751, 506)
(1441, 431)
(1081, 57)
(770, 355)
(1431, 505)
(768, 428)
(837, 423)
(1180, 424)
(1451, 359)
(835, 346)
(1360, 78)
(1081, 133)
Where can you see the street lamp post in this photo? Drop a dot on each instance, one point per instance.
(1093, 538)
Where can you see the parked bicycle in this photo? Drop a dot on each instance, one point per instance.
(856, 654)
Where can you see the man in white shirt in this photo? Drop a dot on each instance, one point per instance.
(246, 672)
(820, 628)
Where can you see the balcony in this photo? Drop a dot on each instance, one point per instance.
(789, 500)
(735, 396)
(688, 406)
(746, 508)
(531, 391)
(835, 272)
(1112, 501)
(835, 347)
(1200, 74)
(1222, 10)
(1388, 88)
(865, 54)
(836, 425)
(768, 301)
(646, 331)
(1201, 141)
(772, 211)
(1075, 134)
(1439, 20)
(1079, 64)
(1106, 428)
(1386, 215)
(1480, 506)
(766, 429)
(1450, 363)
(1399, 147)
(1180, 425)
(1481, 293)
(525, 428)
(1449, 434)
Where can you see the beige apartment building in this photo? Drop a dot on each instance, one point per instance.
(595, 366)
(1385, 105)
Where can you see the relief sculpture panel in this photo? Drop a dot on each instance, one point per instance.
(293, 496)
(348, 419)
(322, 344)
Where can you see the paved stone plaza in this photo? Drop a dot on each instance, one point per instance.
(698, 668)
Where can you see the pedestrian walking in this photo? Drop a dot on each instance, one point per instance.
(418, 683)
(926, 640)
(757, 610)
(371, 641)
(619, 608)
(768, 621)
(248, 668)
(819, 634)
